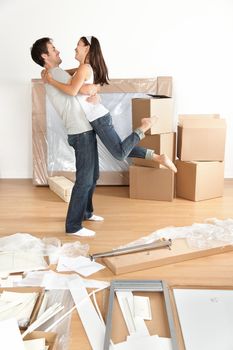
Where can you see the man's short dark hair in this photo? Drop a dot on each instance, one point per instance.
(38, 48)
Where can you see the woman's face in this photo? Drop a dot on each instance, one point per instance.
(81, 51)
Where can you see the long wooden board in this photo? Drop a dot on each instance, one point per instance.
(180, 251)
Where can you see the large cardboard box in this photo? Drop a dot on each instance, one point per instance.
(148, 107)
(161, 144)
(201, 137)
(198, 181)
(151, 183)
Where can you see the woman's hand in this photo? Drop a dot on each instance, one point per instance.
(46, 76)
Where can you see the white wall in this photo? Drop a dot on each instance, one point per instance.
(190, 40)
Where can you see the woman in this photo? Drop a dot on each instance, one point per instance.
(92, 68)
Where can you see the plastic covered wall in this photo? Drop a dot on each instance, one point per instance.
(51, 153)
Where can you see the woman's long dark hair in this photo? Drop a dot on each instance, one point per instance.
(96, 61)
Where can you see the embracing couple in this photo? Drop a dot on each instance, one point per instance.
(74, 95)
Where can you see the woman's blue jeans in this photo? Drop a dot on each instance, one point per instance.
(119, 149)
(87, 173)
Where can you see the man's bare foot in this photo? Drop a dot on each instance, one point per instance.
(165, 161)
(147, 123)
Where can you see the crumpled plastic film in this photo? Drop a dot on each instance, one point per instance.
(74, 249)
(48, 246)
(198, 235)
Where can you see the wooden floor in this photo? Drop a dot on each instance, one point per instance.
(40, 212)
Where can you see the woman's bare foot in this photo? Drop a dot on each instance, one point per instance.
(147, 123)
(165, 161)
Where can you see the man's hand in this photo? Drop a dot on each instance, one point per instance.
(89, 89)
(46, 76)
(94, 99)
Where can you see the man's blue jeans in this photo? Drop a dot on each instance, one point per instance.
(87, 173)
(119, 149)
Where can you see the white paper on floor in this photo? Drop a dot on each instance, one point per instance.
(82, 265)
(17, 305)
(141, 307)
(10, 337)
(93, 325)
(12, 262)
(34, 344)
(52, 280)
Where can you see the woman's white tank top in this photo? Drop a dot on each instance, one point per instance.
(92, 111)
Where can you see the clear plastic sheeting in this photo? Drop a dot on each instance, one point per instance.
(27, 243)
(74, 249)
(63, 328)
(60, 156)
(52, 156)
(48, 246)
(199, 235)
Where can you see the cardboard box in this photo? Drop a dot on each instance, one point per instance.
(161, 144)
(151, 183)
(201, 137)
(148, 107)
(51, 338)
(198, 181)
(40, 297)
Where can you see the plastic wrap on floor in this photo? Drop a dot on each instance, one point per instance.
(199, 235)
(63, 328)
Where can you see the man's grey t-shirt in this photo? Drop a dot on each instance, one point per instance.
(68, 107)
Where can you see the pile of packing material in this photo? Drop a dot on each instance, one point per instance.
(148, 179)
(200, 149)
(61, 186)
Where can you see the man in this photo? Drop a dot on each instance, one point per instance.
(80, 136)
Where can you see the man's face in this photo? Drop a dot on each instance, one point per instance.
(52, 59)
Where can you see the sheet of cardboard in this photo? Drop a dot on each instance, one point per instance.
(158, 325)
(180, 251)
(51, 339)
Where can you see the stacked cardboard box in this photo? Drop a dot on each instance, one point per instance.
(147, 179)
(200, 149)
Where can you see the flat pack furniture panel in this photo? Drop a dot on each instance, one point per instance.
(202, 316)
(52, 155)
(179, 251)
